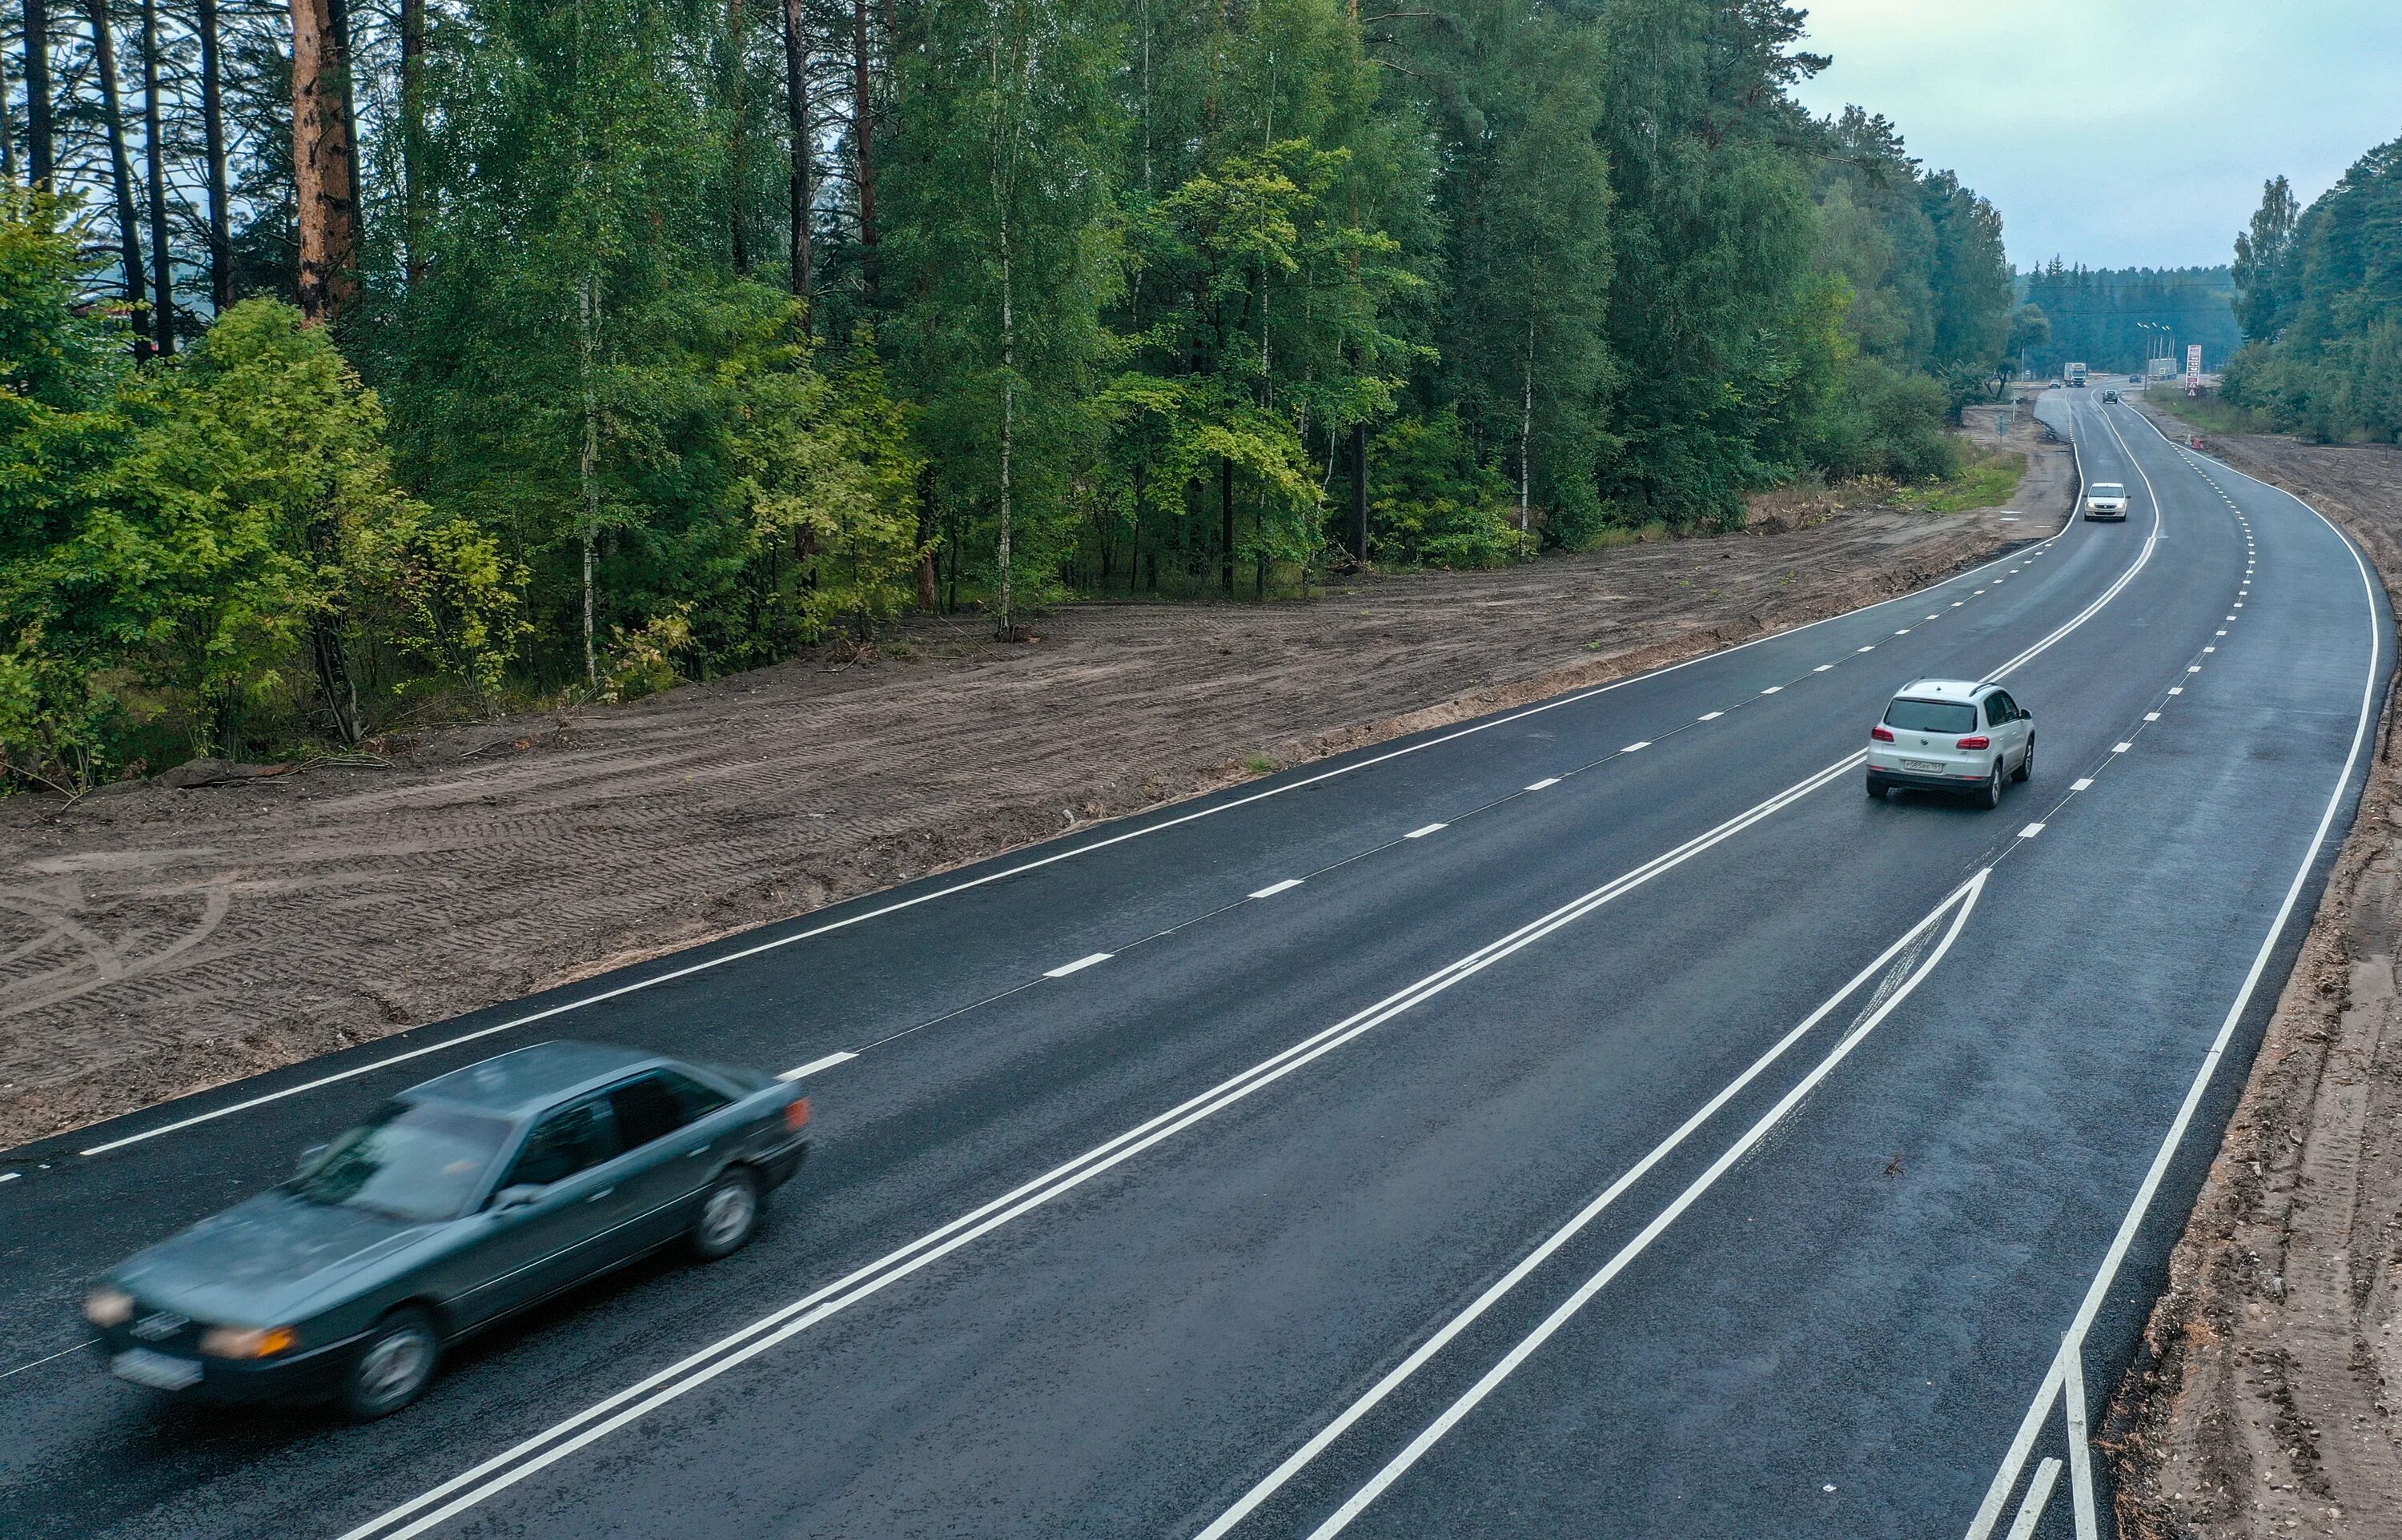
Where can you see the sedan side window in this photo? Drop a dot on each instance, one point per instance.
(647, 1109)
(572, 1139)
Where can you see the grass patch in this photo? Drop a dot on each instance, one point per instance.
(1983, 481)
(1260, 764)
(2212, 415)
(1618, 535)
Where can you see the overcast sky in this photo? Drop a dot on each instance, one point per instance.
(2121, 133)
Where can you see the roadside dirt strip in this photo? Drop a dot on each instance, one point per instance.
(154, 941)
(2266, 1403)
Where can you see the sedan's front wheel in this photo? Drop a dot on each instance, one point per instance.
(729, 1212)
(395, 1366)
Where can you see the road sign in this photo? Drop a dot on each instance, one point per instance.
(2193, 368)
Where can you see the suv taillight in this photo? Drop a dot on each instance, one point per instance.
(1880, 732)
(1977, 740)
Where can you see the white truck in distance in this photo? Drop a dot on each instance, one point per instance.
(2076, 376)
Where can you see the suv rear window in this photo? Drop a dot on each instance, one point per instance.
(1932, 716)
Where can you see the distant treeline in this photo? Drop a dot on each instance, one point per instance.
(2099, 316)
(661, 338)
(2321, 303)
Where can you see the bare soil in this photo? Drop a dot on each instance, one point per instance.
(154, 940)
(2264, 1402)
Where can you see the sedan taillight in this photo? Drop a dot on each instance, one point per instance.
(1880, 732)
(1975, 740)
(797, 1113)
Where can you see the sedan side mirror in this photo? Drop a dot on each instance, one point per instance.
(515, 1197)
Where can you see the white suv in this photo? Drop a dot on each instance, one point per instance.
(1943, 734)
(2106, 499)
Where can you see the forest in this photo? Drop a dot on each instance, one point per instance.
(2319, 294)
(2116, 318)
(370, 365)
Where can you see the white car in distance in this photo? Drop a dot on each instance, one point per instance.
(1945, 735)
(2106, 499)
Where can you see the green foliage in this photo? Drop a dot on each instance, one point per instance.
(2092, 315)
(1435, 504)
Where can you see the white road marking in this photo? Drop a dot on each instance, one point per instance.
(1937, 615)
(1429, 828)
(2004, 1478)
(604, 1417)
(2151, 716)
(1271, 889)
(1822, 668)
(1957, 602)
(2177, 689)
(2030, 831)
(2120, 748)
(2210, 649)
(1882, 1005)
(1903, 632)
(9, 1176)
(2080, 1452)
(1088, 960)
(2038, 1495)
(1709, 716)
(2193, 668)
(1637, 746)
(1869, 648)
(1547, 780)
(1282, 789)
(2081, 783)
(815, 1065)
(1771, 690)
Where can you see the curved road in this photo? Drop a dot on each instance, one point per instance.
(1596, 1118)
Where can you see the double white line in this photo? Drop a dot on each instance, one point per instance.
(602, 1418)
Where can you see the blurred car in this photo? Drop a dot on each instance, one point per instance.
(1939, 734)
(2108, 397)
(2106, 499)
(461, 1202)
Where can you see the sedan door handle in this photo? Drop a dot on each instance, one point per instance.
(603, 1193)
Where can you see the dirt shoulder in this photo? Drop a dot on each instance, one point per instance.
(154, 941)
(2264, 1401)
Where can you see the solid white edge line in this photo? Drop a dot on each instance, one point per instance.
(1267, 1486)
(2038, 1496)
(815, 1065)
(1082, 963)
(2015, 1460)
(1965, 900)
(2080, 1453)
(1023, 867)
(544, 1449)
(1271, 889)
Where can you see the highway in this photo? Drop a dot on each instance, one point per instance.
(1597, 1119)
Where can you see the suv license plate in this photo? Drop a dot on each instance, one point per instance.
(1921, 764)
(155, 1369)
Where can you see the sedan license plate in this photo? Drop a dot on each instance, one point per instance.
(155, 1369)
(1921, 764)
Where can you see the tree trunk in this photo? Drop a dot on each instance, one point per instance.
(926, 536)
(738, 144)
(1008, 413)
(1226, 526)
(162, 262)
(1359, 492)
(804, 191)
(863, 145)
(128, 232)
(323, 163)
(7, 128)
(587, 297)
(413, 139)
(1526, 433)
(37, 92)
(212, 133)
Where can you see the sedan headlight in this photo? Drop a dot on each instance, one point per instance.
(247, 1342)
(107, 1306)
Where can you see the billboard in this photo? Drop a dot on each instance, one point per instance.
(2193, 368)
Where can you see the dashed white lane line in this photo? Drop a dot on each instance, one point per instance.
(1903, 632)
(1771, 690)
(2120, 748)
(9, 1176)
(1709, 716)
(1088, 960)
(1869, 648)
(2193, 668)
(1547, 780)
(1937, 615)
(1271, 889)
(1822, 668)
(2082, 783)
(1957, 602)
(2151, 716)
(2030, 831)
(2177, 689)
(1635, 747)
(1421, 833)
(815, 1065)
(2210, 649)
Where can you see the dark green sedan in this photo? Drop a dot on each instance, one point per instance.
(465, 1200)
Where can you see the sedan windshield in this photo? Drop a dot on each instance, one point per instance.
(1931, 716)
(2108, 489)
(415, 1161)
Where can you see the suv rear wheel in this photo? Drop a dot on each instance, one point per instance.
(1992, 796)
(2026, 765)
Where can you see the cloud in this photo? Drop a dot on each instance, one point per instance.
(2136, 132)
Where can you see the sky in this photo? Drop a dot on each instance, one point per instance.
(2121, 133)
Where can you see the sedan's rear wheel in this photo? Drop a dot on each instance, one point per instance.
(395, 1366)
(729, 1212)
(1991, 796)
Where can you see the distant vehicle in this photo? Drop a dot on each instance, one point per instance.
(2108, 397)
(1942, 735)
(2076, 376)
(2134, 379)
(2106, 499)
(461, 1202)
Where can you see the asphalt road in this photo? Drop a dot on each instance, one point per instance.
(1599, 1118)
